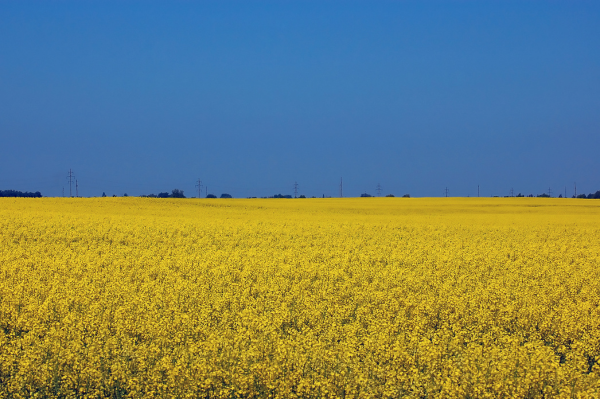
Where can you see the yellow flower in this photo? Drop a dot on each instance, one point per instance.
(138, 297)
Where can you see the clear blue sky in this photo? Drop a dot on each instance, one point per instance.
(251, 96)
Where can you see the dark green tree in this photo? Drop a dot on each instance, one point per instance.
(177, 194)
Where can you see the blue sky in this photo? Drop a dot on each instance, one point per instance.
(142, 97)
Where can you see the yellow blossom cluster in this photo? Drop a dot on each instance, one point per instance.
(378, 297)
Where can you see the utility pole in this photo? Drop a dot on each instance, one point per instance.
(575, 195)
(76, 188)
(378, 190)
(295, 190)
(477, 190)
(70, 178)
(512, 193)
(341, 187)
(446, 191)
(550, 192)
(199, 186)
(63, 191)
(565, 192)
(206, 190)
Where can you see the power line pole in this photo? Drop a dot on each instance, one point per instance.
(512, 192)
(550, 192)
(565, 192)
(63, 191)
(446, 191)
(70, 178)
(76, 188)
(477, 190)
(295, 190)
(378, 190)
(341, 187)
(575, 195)
(199, 186)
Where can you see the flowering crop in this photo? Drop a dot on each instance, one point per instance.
(380, 297)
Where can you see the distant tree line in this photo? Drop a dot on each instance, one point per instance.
(175, 194)
(16, 193)
(560, 196)
(579, 196)
(178, 194)
(589, 196)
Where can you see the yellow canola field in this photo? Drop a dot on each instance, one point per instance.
(380, 297)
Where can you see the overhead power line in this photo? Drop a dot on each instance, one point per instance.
(199, 186)
(70, 177)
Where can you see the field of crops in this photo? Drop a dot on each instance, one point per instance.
(379, 297)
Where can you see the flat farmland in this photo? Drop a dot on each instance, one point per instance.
(296, 298)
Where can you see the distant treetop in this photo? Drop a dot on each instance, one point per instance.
(16, 193)
(177, 194)
(589, 196)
